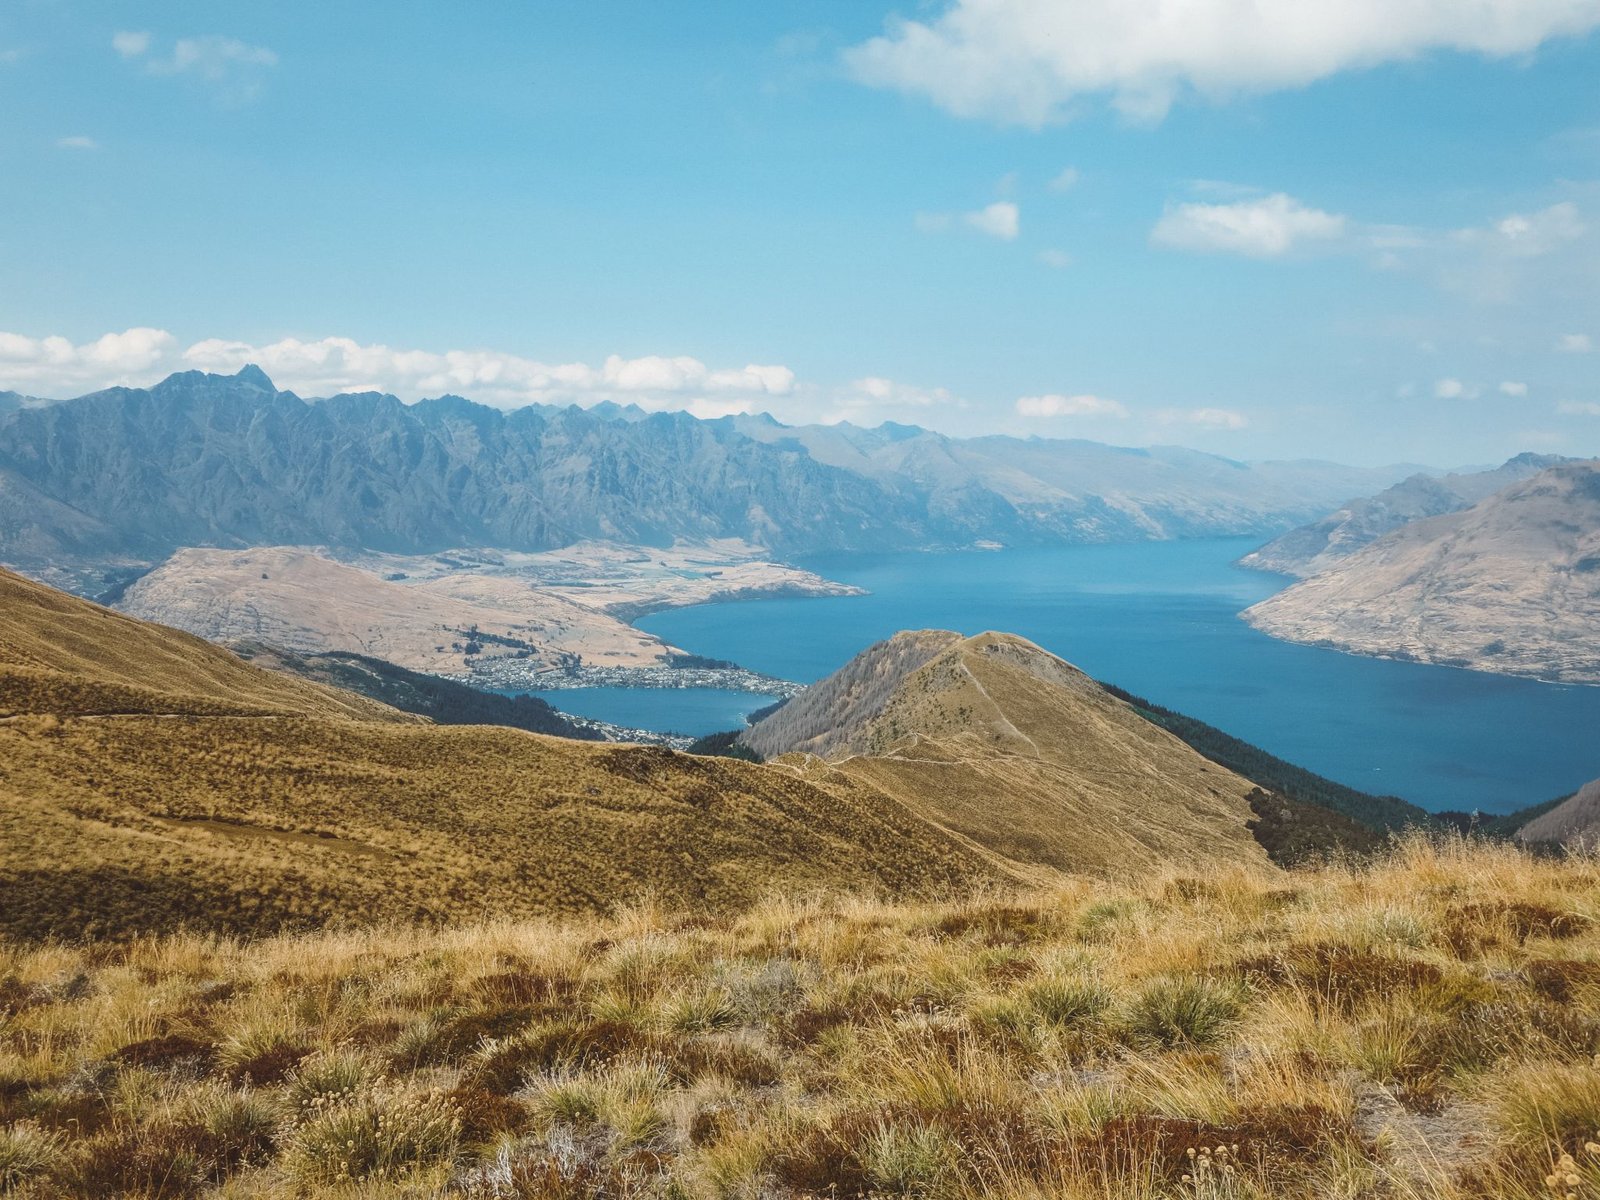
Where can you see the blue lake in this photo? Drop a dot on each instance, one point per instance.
(1160, 619)
(694, 711)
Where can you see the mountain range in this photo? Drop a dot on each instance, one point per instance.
(94, 489)
(1510, 585)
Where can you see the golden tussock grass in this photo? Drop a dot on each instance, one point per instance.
(1425, 1026)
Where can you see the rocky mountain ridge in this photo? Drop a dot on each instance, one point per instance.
(93, 487)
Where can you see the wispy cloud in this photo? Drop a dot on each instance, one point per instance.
(1002, 219)
(1204, 418)
(130, 43)
(1065, 180)
(232, 68)
(77, 142)
(1575, 343)
(1069, 406)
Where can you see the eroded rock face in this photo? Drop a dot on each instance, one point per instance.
(1511, 585)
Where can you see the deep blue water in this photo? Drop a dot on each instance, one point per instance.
(694, 711)
(1160, 619)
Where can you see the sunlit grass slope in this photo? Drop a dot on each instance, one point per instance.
(150, 781)
(1423, 1027)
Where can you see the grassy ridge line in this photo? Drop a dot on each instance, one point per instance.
(1418, 1029)
(1384, 814)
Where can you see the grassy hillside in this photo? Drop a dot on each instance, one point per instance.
(149, 781)
(1016, 751)
(443, 701)
(1422, 1029)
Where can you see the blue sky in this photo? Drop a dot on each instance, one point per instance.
(1264, 230)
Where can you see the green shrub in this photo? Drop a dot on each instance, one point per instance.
(1065, 1002)
(1182, 1012)
(910, 1160)
(382, 1133)
(26, 1153)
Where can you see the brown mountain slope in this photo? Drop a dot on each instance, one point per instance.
(60, 654)
(306, 602)
(1574, 823)
(149, 780)
(1511, 585)
(1017, 752)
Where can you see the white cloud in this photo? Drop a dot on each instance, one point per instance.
(1578, 408)
(1065, 181)
(1069, 406)
(55, 366)
(1449, 389)
(1027, 61)
(334, 364)
(1059, 260)
(1267, 227)
(1575, 343)
(78, 142)
(1513, 388)
(1000, 219)
(130, 44)
(1205, 418)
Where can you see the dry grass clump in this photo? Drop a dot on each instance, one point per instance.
(1243, 1039)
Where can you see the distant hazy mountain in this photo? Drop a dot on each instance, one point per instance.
(1511, 585)
(1322, 544)
(1012, 749)
(230, 461)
